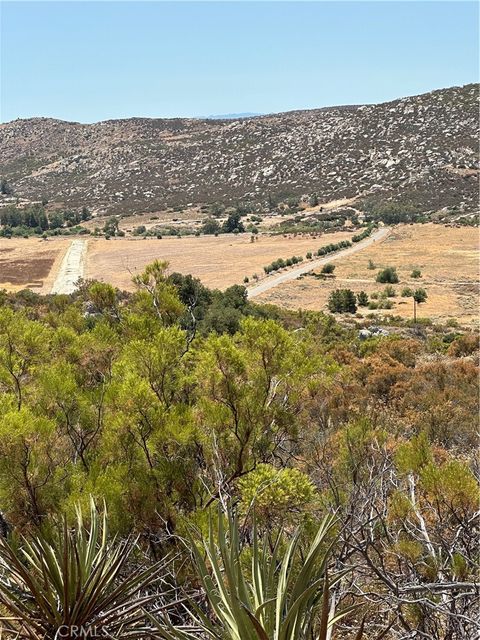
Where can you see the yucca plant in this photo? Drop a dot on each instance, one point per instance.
(283, 596)
(73, 583)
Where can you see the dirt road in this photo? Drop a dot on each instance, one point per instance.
(273, 281)
(71, 268)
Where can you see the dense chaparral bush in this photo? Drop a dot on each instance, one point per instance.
(169, 400)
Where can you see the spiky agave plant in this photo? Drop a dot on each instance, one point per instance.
(284, 595)
(73, 583)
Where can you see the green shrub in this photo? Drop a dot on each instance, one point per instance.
(389, 292)
(342, 301)
(328, 268)
(385, 304)
(362, 299)
(210, 226)
(364, 234)
(275, 492)
(388, 275)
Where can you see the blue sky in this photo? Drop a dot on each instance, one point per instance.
(90, 61)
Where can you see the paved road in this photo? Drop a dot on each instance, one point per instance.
(292, 274)
(71, 268)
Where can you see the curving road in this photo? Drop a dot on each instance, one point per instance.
(273, 281)
(71, 268)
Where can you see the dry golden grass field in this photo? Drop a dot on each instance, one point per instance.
(219, 261)
(446, 256)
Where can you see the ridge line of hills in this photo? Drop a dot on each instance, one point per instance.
(419, 152)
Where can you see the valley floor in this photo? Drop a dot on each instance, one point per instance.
(446, 256)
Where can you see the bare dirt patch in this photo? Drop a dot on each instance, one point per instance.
(30, 263)
(218, 261)
(446, 256)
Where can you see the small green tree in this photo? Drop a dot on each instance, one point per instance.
(313, 200)
(5, 187)
(56, 220)
(388, 275)
(416, 273)
(342, 301)
(210, 226)
(233, 223)
(328, 268)
(362, 299)
(110, 227)
(419, 296)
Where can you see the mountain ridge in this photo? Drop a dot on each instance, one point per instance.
(412, 147)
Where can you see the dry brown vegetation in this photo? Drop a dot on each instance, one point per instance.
(446, 256)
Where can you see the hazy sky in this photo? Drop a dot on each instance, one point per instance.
(91, 61)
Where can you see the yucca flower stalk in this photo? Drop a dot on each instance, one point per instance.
(73, 583)
(286, 596)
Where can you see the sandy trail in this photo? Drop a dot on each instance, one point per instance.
(292, 274)
(72, 267)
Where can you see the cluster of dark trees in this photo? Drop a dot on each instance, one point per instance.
(393, 212)
(342, 301)
(280, 263)
(37, 219)
(364, 234)
(332, 247)
(346, 301)
(233, 224)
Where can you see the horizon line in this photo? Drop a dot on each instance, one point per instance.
(240, 115)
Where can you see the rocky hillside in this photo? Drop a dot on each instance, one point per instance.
(421, 149)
